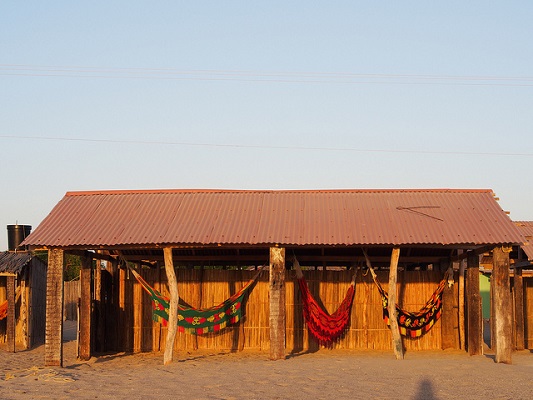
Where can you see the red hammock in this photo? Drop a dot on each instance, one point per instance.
(3, 310)
(324, 327)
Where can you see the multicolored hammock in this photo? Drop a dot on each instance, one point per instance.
(3, 310)
(324, 327)
(198, 321)
(414, 324)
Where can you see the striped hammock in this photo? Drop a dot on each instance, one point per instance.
(414, 324)
(3, 310)
(197, 321)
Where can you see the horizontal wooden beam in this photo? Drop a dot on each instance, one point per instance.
(464, 255)
(348, 260)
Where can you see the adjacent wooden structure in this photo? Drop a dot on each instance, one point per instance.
(22, 283)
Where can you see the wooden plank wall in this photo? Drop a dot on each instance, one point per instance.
(528, 312)
(206, 288)
(72, 294)
(37, 302)
(30, 306)
(3, 297)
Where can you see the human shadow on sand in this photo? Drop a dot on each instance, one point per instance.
(425, 390)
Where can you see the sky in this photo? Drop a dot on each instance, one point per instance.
(263, 95)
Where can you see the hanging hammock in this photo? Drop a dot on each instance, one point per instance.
(3, 310)
(324, 327)
(413, 324)
(197, 321)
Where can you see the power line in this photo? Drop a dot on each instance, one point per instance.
(259, 76)
(265, 147)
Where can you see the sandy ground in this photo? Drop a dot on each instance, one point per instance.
(321, 375)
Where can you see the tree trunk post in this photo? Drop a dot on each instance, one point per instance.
(449, 318)
(172, 328)
(277, 303)
(502, 326)
(11, 317)
(53, 342)
(473, 303)
(393, 314)
(86, 295)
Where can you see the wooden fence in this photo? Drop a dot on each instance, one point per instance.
(129, 326)
(70, 300)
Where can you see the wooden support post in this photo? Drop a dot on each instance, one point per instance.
(173, 309)
(85, 322)
(502, 327)
(11, 317)
(473, 304)
(518, 291)
(393, 314)
(277, 303)
(53, 342)
(461, 301)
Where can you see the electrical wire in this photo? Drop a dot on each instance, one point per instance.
(264, 147)
(259, 76)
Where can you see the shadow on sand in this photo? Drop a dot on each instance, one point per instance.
(425, 390)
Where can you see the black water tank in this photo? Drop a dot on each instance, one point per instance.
(16, 235)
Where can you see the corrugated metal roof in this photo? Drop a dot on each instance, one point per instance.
(12, 262)
(285, 217)
(526, 227)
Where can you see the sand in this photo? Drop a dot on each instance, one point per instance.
(324, 374)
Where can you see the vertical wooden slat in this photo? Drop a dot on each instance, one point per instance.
(137, 314)
(518, 291)
(173, 309)
(53, 346)
(393, 314)
(11, 322)
(240, 331)
(277, 303)
(85, 322)
(473, 304)
(99, 309)
(24, 306)
(501, 305)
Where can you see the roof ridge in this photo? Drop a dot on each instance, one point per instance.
(239, 191)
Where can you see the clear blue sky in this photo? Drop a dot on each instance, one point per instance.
(263, 95)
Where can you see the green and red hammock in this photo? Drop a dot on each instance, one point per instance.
(414, 324)
(324, 327)
(197, 321)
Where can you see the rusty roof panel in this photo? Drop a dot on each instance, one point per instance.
(526, 227)
(308, 217)
(13, 262)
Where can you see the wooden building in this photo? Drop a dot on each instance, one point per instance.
(521, 278)
(208, 240)
(22, 288)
